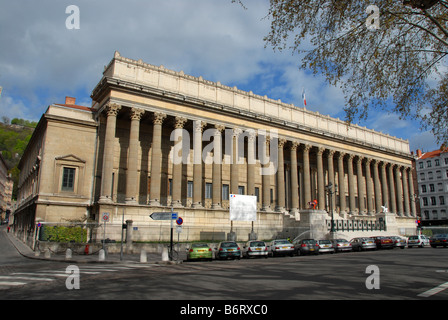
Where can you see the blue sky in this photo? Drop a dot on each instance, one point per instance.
(41, 61)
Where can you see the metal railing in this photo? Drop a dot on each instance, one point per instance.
(356, 225)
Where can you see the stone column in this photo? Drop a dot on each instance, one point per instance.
(385, 189)
(234, 166)
(198, 127)
(341, 186)
(280, 177)
(217, 167)
(369, 187)
(108, 156)
(361, 186)
(251, 163)
(320, 179)
(331, 179)
(132, 172)
(176, 198)
(399, 185)
(306, 175)
(377, 184)
(411, 193)
(265, 179)
(392, 199)
(156, 159)
(351, 184)
(407, 211)
(294, 178)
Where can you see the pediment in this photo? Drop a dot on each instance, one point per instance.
(71, 158)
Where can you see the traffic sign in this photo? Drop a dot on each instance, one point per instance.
(105, 216)
(163, 215)
(179, 221)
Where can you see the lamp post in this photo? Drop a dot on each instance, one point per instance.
(329, 189)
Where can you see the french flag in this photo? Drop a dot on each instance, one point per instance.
(303, 97)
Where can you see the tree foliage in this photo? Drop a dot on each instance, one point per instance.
(400, 67)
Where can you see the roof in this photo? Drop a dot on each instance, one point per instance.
(74, 106)
(433, 154)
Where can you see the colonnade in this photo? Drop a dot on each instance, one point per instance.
(303, 171)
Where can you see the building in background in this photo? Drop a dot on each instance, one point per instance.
(6, 184)
(432, 179)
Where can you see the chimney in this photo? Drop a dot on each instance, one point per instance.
(419, 153)
(70, 100)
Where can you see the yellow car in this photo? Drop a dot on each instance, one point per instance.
(199, 251)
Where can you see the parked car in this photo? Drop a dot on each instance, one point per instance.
(383, 242)
(359, 244)
(228, 249)
(281, 247)
(325, 246)
(418, 241)
(199, 251)
(255, 248)
(439, 240)
(341, 245)
(306, 246)
(399, 242)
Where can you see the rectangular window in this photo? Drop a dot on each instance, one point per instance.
(208, 190)
(190, 189)
(68, 179)
(225, 192)
(240, 189)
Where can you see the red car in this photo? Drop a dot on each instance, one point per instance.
(383, 242)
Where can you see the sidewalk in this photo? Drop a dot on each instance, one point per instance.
(24, 250)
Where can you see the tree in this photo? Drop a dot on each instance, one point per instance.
(387, 55)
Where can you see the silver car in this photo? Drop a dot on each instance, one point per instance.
(255, 248)
(359, 244)
(281, 247)
(325, 246)
(398, 242)
(341, 245)
(418, 241)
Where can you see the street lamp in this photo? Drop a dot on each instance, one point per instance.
(329, 189)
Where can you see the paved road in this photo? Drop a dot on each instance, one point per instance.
(408, 274)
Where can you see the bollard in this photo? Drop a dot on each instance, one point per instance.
(47, 254)
(143, 256)
(165, 254)
(68, 253)
(102, 255)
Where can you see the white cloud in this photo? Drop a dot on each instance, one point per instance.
(42, 61)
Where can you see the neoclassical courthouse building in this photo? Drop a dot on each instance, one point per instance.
(154, 139)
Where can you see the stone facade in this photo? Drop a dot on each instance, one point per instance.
(155, 139)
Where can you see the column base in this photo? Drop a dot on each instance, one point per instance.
(154, 203)
(197, 205)
(105, 199)
(216, 206)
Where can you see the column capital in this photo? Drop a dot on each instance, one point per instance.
(137, 113)
(351, 156)
(359, 160)
(112, 109)
(219, 128)
(307, 147)
(281, 142)
(331, 153)
(320, 151)
(179, 122)
(294, 145)
(199, 126)
(341, 155)
(158, 117)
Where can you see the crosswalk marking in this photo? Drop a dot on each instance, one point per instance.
(434, 291)
(23, 278)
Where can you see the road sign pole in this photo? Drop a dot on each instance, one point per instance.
(171, 237)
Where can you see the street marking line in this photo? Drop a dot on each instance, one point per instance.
(25, 278)
(7, 283)
(434, 291)
(42, 274)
